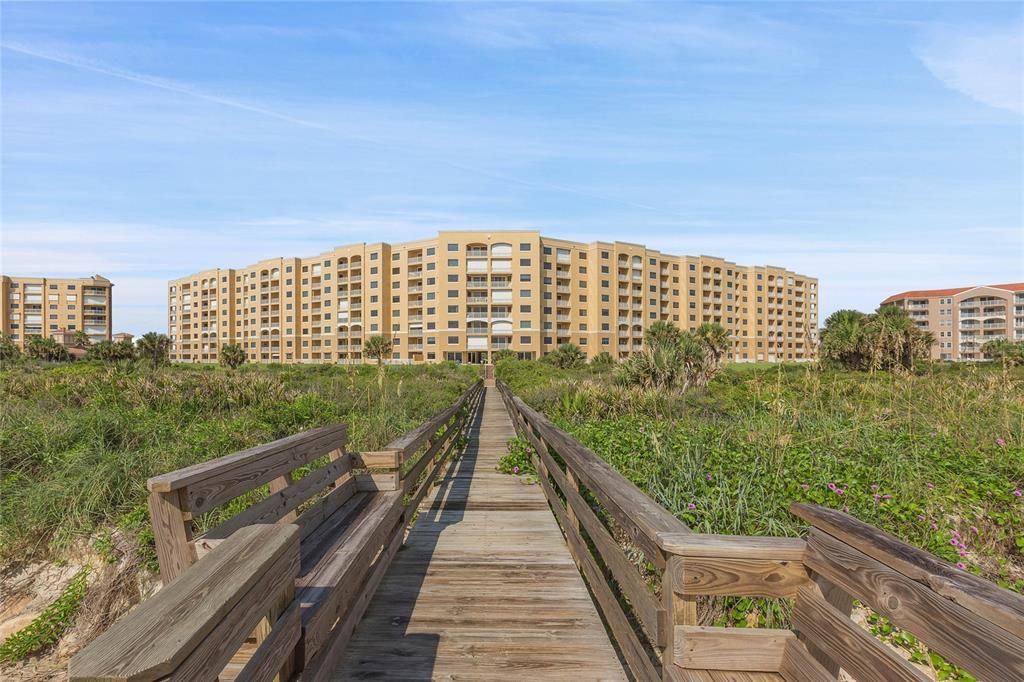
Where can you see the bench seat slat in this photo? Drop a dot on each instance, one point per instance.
(332, 533)
(327, 591)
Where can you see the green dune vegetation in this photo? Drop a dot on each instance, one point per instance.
(935, 457)
(79, 440)
(931, 452)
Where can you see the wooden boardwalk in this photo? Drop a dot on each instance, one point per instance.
(485, 587)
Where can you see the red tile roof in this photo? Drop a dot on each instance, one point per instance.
(925, 293)
(929, 293)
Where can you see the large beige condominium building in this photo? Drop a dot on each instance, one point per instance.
(463, 295)
(39, 306)
(963, 319)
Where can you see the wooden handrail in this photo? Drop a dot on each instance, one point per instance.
(192, 628)
(627, 596)
(971, 622)
(294, 450)
(968, 620)
(633, 510)
(1002, 607)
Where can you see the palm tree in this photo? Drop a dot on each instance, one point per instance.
(842, 340)
(108, 351)
(8, 349)
(566, 356)
(503, 354)
(81, 339)
(43, 348)
(232, 356)
(602, 359)
(1006, 352)
(662, 332)
(378, 347)
(715, 341)
(154, 346)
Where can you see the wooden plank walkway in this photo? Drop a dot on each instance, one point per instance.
(485, 588)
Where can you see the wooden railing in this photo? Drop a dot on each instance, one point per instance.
(579, 485)
(191, 629)
(970, 621)
(253, 615)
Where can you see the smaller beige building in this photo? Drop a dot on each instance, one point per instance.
(964, 319)
(44, 306)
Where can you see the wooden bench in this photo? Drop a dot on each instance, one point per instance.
(349, 515)
(969, 621)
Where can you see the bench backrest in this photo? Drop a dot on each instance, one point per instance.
(179, 497)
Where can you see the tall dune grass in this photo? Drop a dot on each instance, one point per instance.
(77, 442)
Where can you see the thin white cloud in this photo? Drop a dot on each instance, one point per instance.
(622, 27)
(986, 64)
(400, 147)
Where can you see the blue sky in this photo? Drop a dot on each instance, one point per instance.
(879, 147)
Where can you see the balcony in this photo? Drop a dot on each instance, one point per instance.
(476, 253)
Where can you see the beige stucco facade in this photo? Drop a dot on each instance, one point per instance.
(39, 306)
(463, 295)
(963, 319)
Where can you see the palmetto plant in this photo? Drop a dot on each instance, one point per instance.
(43, 348)
(842, 340)
(232, 356)
(81, 339)
(8, 349)
(566, 356)
(108, 351)
(674, 360)
(378, 347)
(154, 347)
(1006, 352)
(886, 340)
